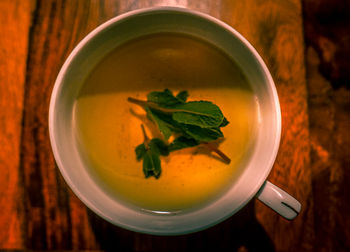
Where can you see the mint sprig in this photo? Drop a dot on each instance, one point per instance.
(194, 123)
(150, 151)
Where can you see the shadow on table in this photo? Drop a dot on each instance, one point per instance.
(240, 232)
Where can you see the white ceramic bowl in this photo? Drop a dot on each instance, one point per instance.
(252, 182)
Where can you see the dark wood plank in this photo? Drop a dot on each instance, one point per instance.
(14, 27)
(327, 55)
(56, 219)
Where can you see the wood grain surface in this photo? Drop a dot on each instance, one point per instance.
(327, 37)
(14, 27)
(40, 212)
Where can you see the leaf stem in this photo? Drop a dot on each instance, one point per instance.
(151, 105)
(224, 157)
(145, 137)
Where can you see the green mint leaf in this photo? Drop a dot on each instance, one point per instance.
(140, 151)
(195, 122)
(166, 123)
(201, 134)
(200, 113)
(182, 142)
(165, 98)
(151, 164)
(163, 126)
(182, 96)
(224, 122)
(157, 145)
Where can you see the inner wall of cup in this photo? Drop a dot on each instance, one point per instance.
(96, 46)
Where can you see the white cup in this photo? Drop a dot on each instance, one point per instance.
(252, 181)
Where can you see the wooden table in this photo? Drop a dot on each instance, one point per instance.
(40, 212)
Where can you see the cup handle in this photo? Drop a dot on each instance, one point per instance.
(279, 200)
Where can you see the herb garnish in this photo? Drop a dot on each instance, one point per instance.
(193, 122)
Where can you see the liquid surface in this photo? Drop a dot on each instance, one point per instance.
(108, 127)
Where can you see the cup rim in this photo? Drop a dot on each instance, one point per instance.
(59, 83)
